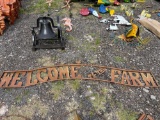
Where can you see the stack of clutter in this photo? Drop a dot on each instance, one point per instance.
(8, 10)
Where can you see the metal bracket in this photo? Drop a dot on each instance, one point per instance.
(112, 27)
(120, 20)
(104, 21)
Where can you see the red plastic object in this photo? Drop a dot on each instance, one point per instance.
(84, 11)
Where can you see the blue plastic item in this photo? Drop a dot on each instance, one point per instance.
(94, 12)
(158, 14)
(91, 10)
(102, 9)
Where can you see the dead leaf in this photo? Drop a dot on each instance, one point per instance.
(77, 117)
(122, 37)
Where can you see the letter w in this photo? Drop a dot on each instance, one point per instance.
(6, 78)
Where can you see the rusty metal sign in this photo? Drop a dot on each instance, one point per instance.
(145, 117)
(25, 78)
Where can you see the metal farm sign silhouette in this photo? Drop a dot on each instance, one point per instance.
(25, 78)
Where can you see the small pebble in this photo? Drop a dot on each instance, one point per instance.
(153, 97)
(145, 90)
(92, 98)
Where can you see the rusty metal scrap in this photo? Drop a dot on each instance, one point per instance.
(24, 78)
(21, 117)
(145, 117)
(2, 22)
(8, 9)
(97, 72)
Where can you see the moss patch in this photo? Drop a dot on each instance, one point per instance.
(71, 106)
(46, 61)
(19, 97)
(56, 89)
(123, 114)
(74, 84)
(98, 102)
(34, 105)
(119, 59)
(40, 6)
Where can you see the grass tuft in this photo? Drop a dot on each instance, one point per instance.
(57, 88)
(126, 115)
(118, 59)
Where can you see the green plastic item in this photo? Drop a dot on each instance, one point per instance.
(106, 2)
(127, 1)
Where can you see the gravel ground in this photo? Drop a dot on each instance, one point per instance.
(88, 42)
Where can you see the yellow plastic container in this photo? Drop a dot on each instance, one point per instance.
(132, 32)
(141, 1)
(100, 2)
(111, 12)
(111, 1)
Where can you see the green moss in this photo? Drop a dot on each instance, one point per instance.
(118, 59)
(34, 75)
(117, 9)
(64, 12)
(46, 61)
(72, 105)
(99, 102)
(43, 74)
(87, 46)
(33, 105)
(98, 41)
(93, 34)
(8, 90)
(91, 113)
(75, 84)
(123, 114)
(22, 11)
(72, 38)
(56, 89)
(19, 97)
(26, 92)
(91, 43)
(40, 6)
(104, 91)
